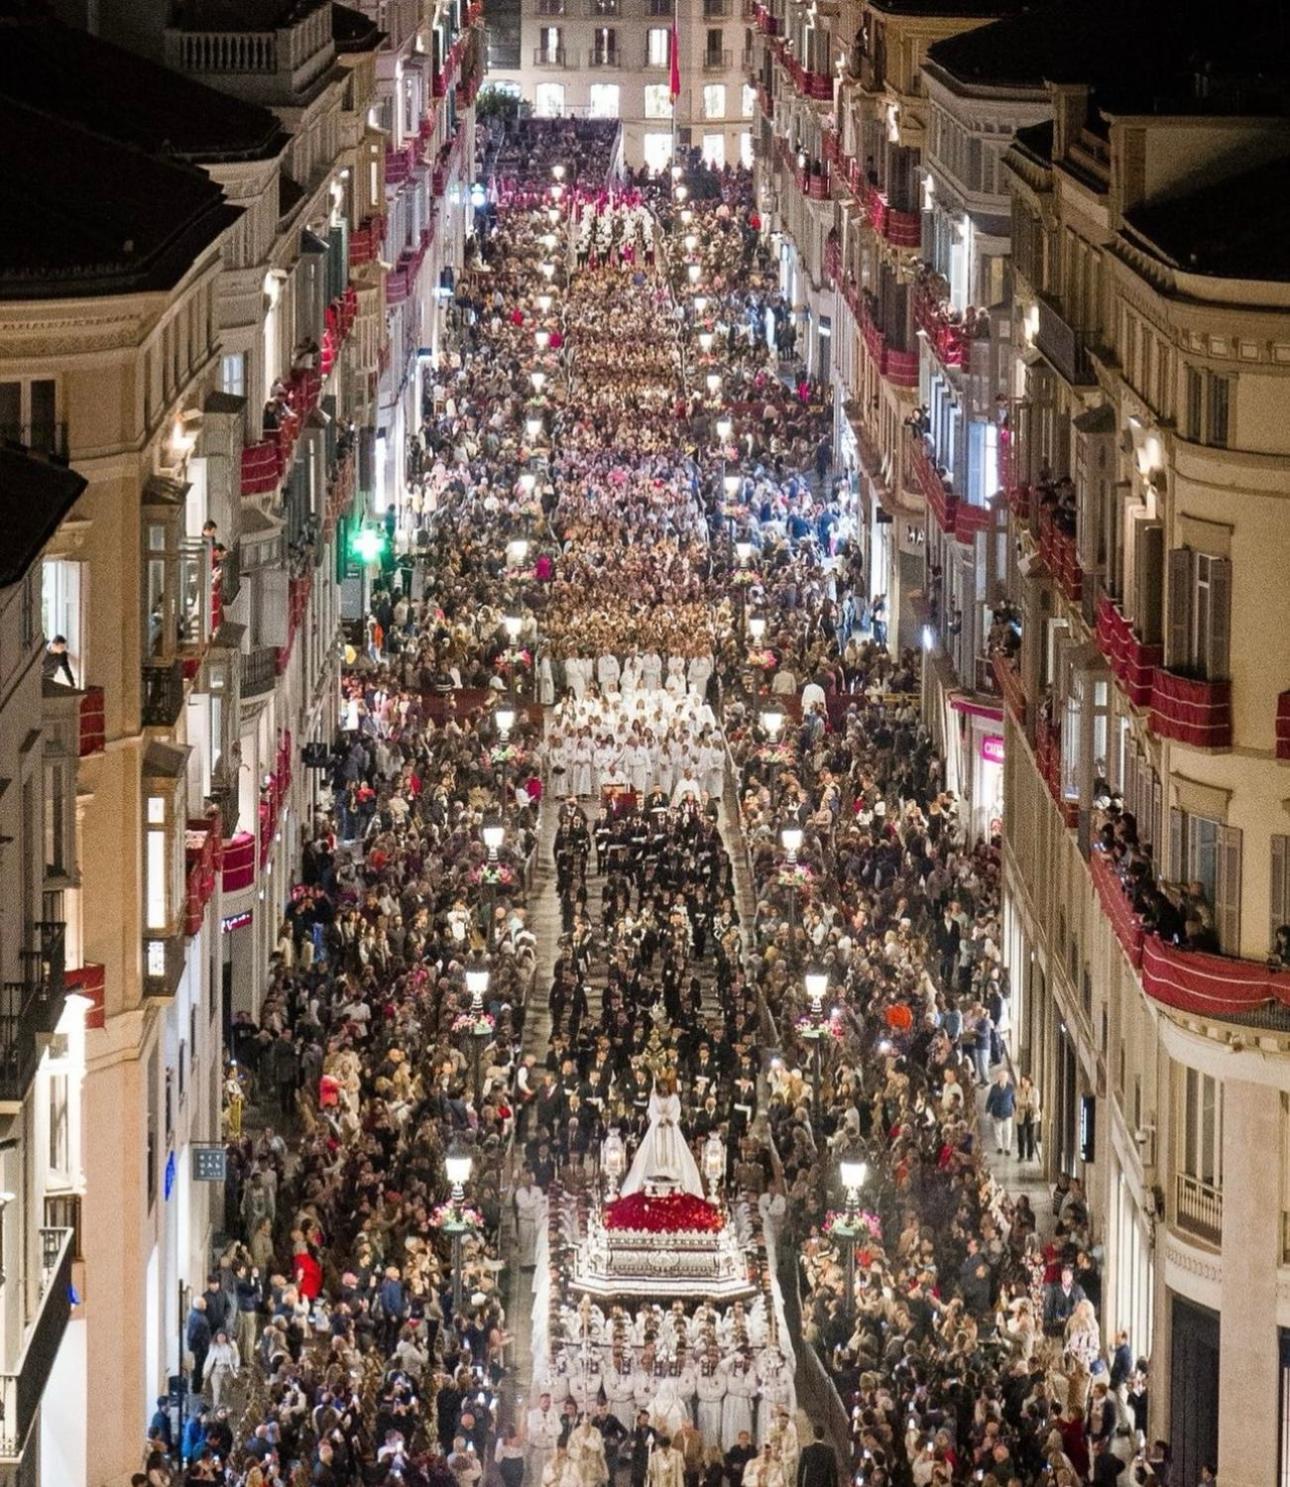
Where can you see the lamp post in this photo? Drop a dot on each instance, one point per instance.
(457, 1165)
(854, 1172)
(493, 833)
(791, 839)
(817, 983)
(477, 978)
(772, 720)
(743, 552)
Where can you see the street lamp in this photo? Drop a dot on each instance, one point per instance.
(700, 303)
(547, 270)
(714, 1164)
(558, 172)
(493, 833)
(517, 549)
(528, 482)
(505, 720)
(695, 271)
(757, 627)
(791, 838)
(705, 341)
(743, 551)
(457, 1165)
(543, 303)
(538, 379)
(533, 427)
(479, 1032)
(772, 720)
(817, 983)
(543, 339)
(724, 429)
(713, 380)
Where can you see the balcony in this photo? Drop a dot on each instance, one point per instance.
(948, 339)
(717, 10)
(605, 8)
(1062, 346)
(30, 1010)
(41, 438)
(833, 260)
(716, 61)
(1048, 756)
(1060, 554)
(1133, 663)
(1283, 725)
(941, 500)
(63, 1211)
(1198, 1209)
(1191, 711)
(612, 58)
(895, 225)
(1007, 679)
(284, 65)
(203, 859)
(21, 1392)
(163, 694)
(553, 56)
(1125, 924)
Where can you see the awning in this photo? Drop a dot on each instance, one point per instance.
(991, 712)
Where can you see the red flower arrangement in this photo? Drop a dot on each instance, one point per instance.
(669, 1215)
(899, 1018)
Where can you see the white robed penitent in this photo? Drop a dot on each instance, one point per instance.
(663, 1158)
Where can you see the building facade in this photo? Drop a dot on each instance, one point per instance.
(1147, 522)
(237, 394)
(1057, 337)
(611, 59)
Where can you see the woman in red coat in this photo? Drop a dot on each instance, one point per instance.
(307, 1274)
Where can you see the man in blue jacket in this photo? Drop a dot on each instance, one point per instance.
(1001, 1106)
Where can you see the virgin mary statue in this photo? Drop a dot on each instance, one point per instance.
(663, 1156)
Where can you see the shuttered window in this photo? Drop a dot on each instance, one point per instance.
(1279, 904)
(1208, 853)
(1198, 639)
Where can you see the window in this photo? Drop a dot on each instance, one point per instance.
(603, 100)
(714, 104)
(658, 144)
(1200, 614)
(658, 105)
(656, 46)
(60, 815)
(605, 47)
(1200, 1153)
(713, 51)
(1280, 894)
(1208, 407)
(548, 100)
(746, 150)
(232, 374)
(29, 415)
(1205, 861)
(60, 1135)
(748, 102)
(60, 609)
(714, 150)
(552, 45)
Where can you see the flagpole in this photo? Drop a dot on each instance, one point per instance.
(674, 73)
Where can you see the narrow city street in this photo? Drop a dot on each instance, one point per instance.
(639, 1023)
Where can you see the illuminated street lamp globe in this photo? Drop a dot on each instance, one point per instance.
(757, 627)
(791, 839)
(713, 380)
(458, 1165)
(724, 429)
(772, 720)
(494, 834)
(743, 551)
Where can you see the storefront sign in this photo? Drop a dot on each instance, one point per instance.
(1087, 1128)
(992, 749)
(210, 1164)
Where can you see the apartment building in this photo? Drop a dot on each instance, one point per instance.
(42, 1040)
(216, 380)
(611, 59)
(1151, 315)
(843, 121)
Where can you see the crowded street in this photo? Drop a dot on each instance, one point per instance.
(633, 1099)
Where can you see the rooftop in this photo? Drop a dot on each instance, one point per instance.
(1237, 229)
(35, 495)
(1190, 66)
(949, 9)
(92, 215)
(82, 79)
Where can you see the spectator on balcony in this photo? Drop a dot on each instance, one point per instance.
(56, 664)
(1279, 959)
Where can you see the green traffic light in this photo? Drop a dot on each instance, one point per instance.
(367, 544)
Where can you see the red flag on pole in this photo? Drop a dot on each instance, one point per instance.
(674, 46)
